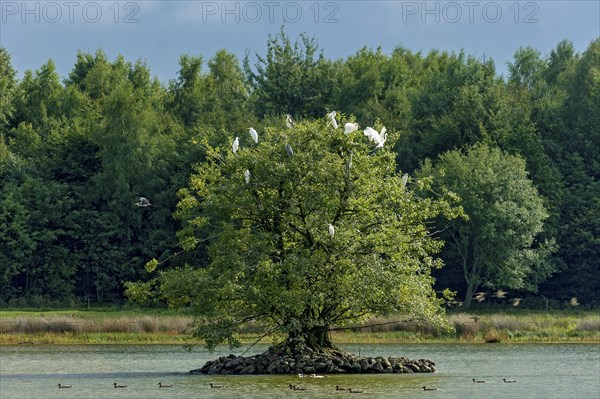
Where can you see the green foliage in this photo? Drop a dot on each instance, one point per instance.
(293, 79)
(76, 153)
(272, 258)
(496, 246)
(8, 87)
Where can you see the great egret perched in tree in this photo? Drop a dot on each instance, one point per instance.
(288, 121)
(404, 180)
(331, 119)
(247, 176)
(350, 127)
(236, 145)
(289, 150)
(376, 137)
(254, 135)
(143, 202)
(331, 230)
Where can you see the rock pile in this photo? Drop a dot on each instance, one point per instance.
(334, 362)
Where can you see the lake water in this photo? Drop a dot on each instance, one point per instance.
(545, 371)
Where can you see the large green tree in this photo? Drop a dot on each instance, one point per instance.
(292, 78)
(304, 242)
(8, 87)
(495, 246)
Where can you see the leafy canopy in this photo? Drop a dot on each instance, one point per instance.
(496, 246)
(272, 258)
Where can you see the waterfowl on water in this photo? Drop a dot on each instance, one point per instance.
(310, 375)
(65, 386)
(339, 388)
(507, 381)
(119, 386)
(297, 387)
(161, 385)
(216, 385)
(355, 390)
(425, 388)
(480, 381)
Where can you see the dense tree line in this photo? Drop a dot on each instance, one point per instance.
(77, 152)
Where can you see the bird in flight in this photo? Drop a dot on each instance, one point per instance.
(479, 296)
(574, 302)
(143, 202)
(377, 137)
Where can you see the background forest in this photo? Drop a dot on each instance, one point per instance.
(77, 152)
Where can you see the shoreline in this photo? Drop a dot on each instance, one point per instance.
(121, 339)
(164, 328)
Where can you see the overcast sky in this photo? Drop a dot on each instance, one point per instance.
(160, 31)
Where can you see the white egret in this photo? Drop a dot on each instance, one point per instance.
(515, 301)
(479, 296)
(350, 127)
(331, 119)
(289, 150)
(331, 230)
(253, 134)
(404, 180)
(247, 176)
(143, 202)
(288, 121)
(378, 138)
(236, 145)
(574, 301)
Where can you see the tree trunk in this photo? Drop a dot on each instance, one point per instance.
(471, 287)
(319, 339)
(316, 339)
